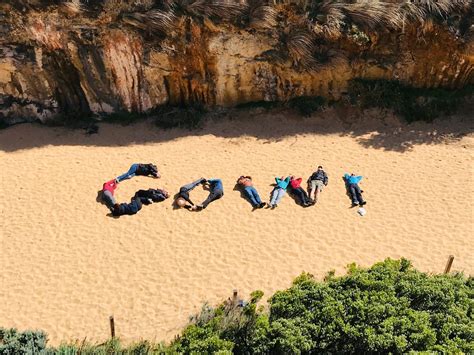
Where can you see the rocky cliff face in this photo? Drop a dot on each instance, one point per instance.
(70, 59)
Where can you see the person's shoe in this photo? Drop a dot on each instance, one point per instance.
(198, 207)
(274, 206)
(269, 205)
(263, 204)
(354, 204)
(362, 203)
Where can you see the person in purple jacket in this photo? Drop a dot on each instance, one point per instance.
(352, 185)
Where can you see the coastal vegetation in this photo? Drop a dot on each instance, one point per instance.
(388, 308)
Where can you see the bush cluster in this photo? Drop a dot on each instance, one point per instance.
(413, 104)
(388, 308)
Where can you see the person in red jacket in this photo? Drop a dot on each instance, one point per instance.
(299, 192)
(108, 193)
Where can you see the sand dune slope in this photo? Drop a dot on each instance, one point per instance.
(66, 266)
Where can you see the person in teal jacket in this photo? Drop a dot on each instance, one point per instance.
(279, 191)
(352, 185)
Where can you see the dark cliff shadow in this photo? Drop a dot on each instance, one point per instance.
(372, 129)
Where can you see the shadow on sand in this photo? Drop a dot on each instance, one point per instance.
(372, 129)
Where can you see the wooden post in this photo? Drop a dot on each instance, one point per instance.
(234, 297)
(449, 264)
(112, 326)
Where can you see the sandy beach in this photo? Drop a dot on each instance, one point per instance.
(66, 265)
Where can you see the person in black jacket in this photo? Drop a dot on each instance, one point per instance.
(316, 182)
(131, 208)
(140, 170)
(151, 195)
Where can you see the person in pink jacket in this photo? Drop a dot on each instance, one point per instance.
(299, 192)
(108, 190)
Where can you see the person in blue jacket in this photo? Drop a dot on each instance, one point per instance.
(279, 191)
(216, 191)
(352, 184)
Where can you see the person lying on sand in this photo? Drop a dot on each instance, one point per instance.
(108, 193)
(140, 170)
(131, 208)
(316, 182)
(279, 191)
(250, 191)
(355, 192)
(182, 199)
(216, 191)
(299, 192)
(151, 195)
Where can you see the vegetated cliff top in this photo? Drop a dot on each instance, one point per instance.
(304, 29)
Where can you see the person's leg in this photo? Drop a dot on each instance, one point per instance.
(192, 185)
(214, 195)
(256, 196)
(299, 195)
(274, 195)
(352, 191)
(358, 194)
(250, 196)
(319, 188)
(280, 195)
(129, 174)
(108, 199)
(312, 189)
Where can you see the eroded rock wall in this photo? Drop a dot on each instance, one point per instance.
(53, 66)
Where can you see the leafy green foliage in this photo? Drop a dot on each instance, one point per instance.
(28, 342)
(414, 104)
(388, 308)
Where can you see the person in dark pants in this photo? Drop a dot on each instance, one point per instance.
(151, 195)
(140, 170)
(183, 195)
(352, 184)
(216, 191)
(131, 208)
(299, 192)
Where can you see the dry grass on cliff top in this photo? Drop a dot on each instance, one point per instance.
(66, 266)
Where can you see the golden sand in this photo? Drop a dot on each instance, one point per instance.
(66, 266)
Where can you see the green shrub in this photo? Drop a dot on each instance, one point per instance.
(388, 308)
(413, 104)
(28, 342)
